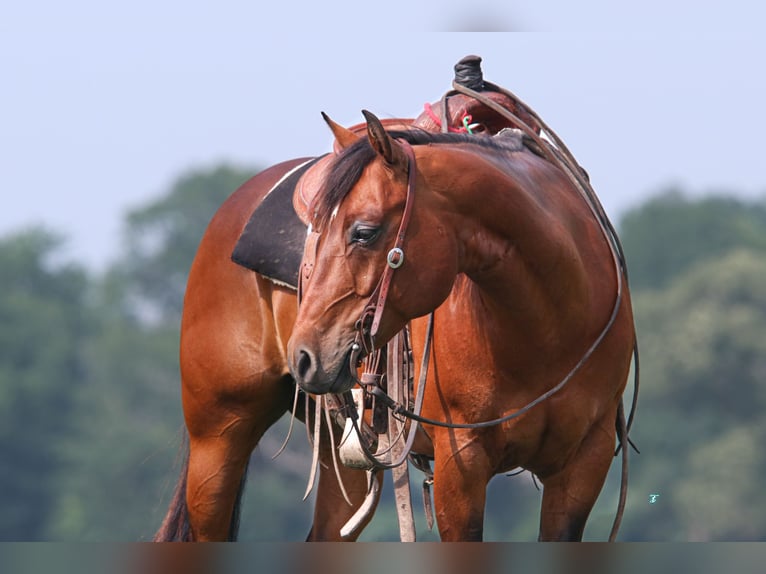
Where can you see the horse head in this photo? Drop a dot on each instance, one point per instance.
(379, 256)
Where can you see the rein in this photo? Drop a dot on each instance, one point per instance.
(563, 158)
(368, 325)
(559, 155)
(375, 390)
(369, 321)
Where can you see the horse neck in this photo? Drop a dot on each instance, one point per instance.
(513, 245)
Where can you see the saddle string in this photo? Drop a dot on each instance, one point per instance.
(292, 423)
(306, 415)
(332, 439)
(622, 433)
(445, 114)
(315, 441)
(335, 455)
(318, 403)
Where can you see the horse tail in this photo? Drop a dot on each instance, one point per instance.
(175, 526)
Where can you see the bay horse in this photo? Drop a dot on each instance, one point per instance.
(235, 379)
(514, 292)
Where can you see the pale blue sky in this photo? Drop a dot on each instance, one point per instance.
(104, 104)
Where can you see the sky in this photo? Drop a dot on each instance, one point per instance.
(103, 105)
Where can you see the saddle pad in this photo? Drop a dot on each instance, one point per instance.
(271, 243)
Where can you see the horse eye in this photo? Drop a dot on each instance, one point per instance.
(363, 234)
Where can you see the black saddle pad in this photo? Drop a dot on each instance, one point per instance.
(272, 242)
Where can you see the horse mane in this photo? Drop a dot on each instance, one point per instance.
(346, 170)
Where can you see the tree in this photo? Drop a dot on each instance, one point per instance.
(701, 404)
(670, 233)
(118, 463)
(41, 366)
(161, 239)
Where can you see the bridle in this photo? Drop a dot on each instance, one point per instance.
(368, 326)
(369, 323)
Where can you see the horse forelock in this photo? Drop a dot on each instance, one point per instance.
(342, 175)
(348, 166)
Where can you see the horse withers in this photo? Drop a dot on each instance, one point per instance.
(532, 322)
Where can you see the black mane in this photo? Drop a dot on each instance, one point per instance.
(347, 168)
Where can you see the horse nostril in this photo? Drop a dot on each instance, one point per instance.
(305, 364)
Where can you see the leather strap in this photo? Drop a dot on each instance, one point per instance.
(374, 309)
(309, 258)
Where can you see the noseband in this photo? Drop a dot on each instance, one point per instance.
(369, 323)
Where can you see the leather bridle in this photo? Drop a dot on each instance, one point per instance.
(369, 322)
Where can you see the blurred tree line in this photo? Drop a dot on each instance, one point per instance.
(91, 421)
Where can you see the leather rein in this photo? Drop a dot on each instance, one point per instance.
(369, 323)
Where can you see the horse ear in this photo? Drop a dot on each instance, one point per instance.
(381, 142)
(343, 136)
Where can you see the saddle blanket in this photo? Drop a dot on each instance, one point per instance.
(272, 242)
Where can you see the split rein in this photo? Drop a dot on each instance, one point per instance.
(369, 323)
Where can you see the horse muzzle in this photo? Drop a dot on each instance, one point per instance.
(315, 376)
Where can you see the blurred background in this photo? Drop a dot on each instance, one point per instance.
(124, 126)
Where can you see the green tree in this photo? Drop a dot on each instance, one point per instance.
(161, 239)
(126, 432)
(701, 404)
(670, 233)
(43, 329)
